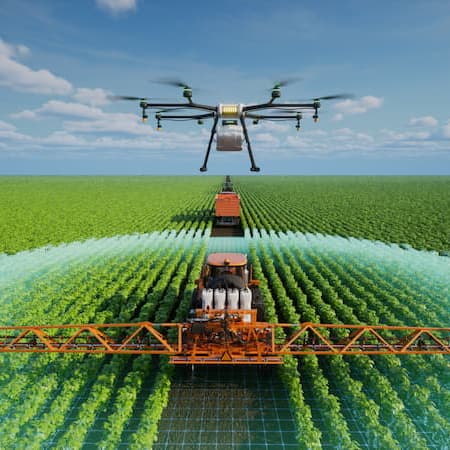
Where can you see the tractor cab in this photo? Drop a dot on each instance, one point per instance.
(226, 286)
(226, 270)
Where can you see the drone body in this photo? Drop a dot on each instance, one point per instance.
(229, 120)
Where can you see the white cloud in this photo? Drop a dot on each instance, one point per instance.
(405, 136)
(317, 132)
(110, 123)
(7, 50)
(96, 119)
(358, 106)
(164, 143)
(57, 107)
(93, 97)
(365, 137)
(425, 121)
(9, 131)
(25, 114)
(266, 125)
(23, 50)
(20, 77)
(446, 130)
(117, 6)
(266, 139)
(5, 126)
(345, 142)
(11, 50)
(63, 138)
(343, 132)
(298, 141)
(60, 108)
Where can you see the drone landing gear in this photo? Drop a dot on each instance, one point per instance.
(213, 132)
(249, 147)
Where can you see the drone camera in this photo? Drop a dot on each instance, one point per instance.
(200, 121)
(255, 121)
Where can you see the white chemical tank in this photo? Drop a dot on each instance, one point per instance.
(219, 298)
(233, 298)
(207, 298)
(246, 299)
(246, 303)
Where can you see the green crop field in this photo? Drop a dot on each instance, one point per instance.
(127, 249)
(36, 211)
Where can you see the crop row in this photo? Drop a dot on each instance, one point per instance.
(390, 412)
(38, 211)
(408, 210)
(67, 401)
(56, 400)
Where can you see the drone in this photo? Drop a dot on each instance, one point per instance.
(229, 120)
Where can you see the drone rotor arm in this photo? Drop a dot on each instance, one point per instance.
(180, 105)
(269, 105)
(187, 116)
(271, 116)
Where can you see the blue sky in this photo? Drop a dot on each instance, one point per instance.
(59, 61)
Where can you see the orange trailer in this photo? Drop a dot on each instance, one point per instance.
(228, 208)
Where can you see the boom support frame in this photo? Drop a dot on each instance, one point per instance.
(226, 340)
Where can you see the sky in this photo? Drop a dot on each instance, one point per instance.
(62, 60)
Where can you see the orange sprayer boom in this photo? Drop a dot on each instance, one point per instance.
(226, 339)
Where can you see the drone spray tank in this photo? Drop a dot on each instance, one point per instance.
(229, 133)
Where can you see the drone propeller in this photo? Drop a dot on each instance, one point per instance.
(141, 99)
(285, 82)
(176, 82)
(334, 97)
(325, 97)
(126, 97)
